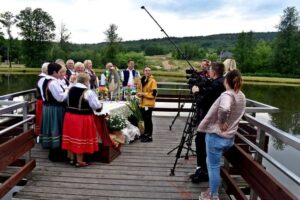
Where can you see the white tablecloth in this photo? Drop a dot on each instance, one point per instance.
(115, 108)
(120, 108)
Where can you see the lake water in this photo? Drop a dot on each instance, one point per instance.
(286, 98)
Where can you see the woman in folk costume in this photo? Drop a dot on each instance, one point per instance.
(147, 91)
(79, 68)
(63, 81)
(39, 98)
(53, 113)
(94, 81)
(79, 131)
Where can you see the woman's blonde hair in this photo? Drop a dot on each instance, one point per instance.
(229, 64)
(78, 65)
(86, 62)
(63, 68)
(82, 78)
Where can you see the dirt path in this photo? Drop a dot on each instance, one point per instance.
(166, 65)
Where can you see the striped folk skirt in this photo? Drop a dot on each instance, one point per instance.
(51, 126)
(79, 133)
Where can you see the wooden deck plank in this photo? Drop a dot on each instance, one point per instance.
(140, 172)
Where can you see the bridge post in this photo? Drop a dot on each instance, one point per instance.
(260, 140)
(27, 156)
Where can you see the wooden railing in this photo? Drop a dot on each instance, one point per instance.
(16, 141)
(248, 163)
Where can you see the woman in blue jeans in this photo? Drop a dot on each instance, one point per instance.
(220, 125)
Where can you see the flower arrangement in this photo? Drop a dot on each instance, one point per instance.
(116, 123)
(102, 91)
(128, 91)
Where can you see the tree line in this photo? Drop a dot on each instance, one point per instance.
(274, 53)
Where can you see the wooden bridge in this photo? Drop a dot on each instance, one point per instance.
(142, 170)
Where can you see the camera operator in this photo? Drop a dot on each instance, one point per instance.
(205, 64)
(208, 94)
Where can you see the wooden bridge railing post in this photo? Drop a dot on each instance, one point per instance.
(260, 141)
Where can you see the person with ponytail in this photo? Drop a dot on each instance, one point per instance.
(220, 125)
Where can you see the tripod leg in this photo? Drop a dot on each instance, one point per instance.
(177, 115)
(172, 173)
(172, 150)
(170, 126)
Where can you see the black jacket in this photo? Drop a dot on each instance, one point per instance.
(209, 94)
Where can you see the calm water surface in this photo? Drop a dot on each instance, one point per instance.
(286, 98)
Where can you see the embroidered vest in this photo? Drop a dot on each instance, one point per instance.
(76, 103)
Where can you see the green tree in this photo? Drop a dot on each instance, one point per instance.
(56, 52)
(154, 49)
(210, 55)
(64, 36)
(37, 29)
(286, 45)
(113, 46)
(244, 51)
(122, 58)
(263, 57)
(190, 51)
(2, 45)
(8, 20)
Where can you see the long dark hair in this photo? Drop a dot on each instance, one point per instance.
(234, 80)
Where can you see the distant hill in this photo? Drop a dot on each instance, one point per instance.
(219, 41)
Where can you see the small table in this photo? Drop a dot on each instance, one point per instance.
(107, 151)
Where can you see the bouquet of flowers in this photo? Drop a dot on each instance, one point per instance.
(116, 123)
(129, 90)
(102, 91)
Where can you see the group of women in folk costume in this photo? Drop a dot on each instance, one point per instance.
(67, 116)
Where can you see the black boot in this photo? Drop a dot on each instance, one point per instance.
(199, 176)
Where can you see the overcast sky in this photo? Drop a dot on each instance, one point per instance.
(88, 19)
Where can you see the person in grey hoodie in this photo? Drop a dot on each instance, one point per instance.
(220, 125)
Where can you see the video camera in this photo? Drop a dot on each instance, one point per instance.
(197, 78)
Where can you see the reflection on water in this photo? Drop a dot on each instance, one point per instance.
(286, 98)
(14, 83)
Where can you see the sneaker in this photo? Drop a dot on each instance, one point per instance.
(201, 176)
(207, 196)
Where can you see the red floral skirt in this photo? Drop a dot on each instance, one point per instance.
(79, 133)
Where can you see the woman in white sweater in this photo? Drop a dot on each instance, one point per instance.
(221, 124)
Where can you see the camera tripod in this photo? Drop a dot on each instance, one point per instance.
(187, 137)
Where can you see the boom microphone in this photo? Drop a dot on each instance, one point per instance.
(161, 29)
